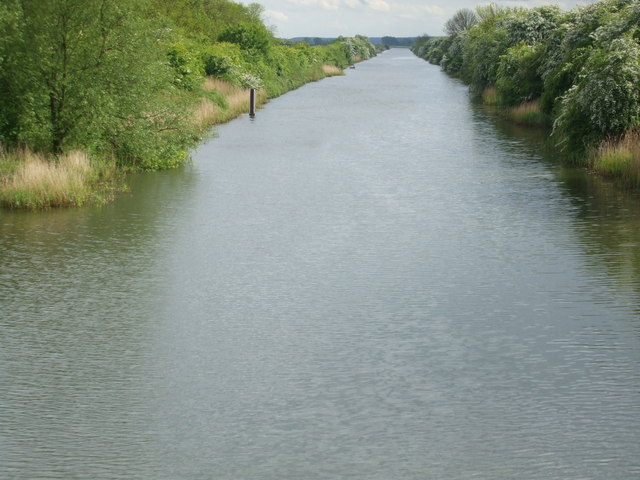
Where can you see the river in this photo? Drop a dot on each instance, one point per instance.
(372, 279)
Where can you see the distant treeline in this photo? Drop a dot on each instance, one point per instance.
(386, 41)
(579, 68)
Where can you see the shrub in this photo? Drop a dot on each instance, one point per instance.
(187, 64)
(253, 38)
(605, 101)
(517, 77)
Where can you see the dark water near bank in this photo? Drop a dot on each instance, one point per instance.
(373, 279)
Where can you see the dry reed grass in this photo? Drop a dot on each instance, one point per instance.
(331, 70)
(32, 181)
(490, 96)
(221, 86)
(205, 113)
(619, 158)
(527, 108)
(208, 114)
(527, 113)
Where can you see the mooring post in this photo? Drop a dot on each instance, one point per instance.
(252, 102)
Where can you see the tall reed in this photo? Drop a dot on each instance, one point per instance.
(331, 70)
(31, 181)
(490, 96)
(235, 101)
(619, 159)
(527, 113)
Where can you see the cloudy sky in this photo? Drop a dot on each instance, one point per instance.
(374, 18)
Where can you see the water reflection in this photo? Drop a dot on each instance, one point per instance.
(606, 217)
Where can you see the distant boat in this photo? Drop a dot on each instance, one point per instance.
(352, 66)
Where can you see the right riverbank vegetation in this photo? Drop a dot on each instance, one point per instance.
(577, 71)
(90, 89)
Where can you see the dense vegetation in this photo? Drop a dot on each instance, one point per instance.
(577, 70)
(132, 84)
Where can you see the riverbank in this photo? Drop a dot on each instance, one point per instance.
(35, 181)
(133, 86)
(575, 71)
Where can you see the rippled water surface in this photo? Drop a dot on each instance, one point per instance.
(373, 279)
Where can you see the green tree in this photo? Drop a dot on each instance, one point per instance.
(81, 74)
(253, 38)
(517, 76)
(605, 101)
(207, 19)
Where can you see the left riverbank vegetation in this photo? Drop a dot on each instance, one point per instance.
(576, 71)
(91, 89)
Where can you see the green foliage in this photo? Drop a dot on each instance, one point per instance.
(432, 49)
(205, 20)
(605, 100)
(252, 38)
(187, 64)
(356, 48)
(335, 54)
(582, 65)
(517, 76)
(531, 26)
(79, 72)
(485, 45)
(452, 59)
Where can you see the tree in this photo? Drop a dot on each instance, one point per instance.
(605, 101)
(253, 38)
(87, 74)
(207, 18)
(461, 21)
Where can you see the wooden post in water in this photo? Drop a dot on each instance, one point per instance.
(252, 102)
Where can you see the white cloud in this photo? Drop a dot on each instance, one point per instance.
(413, 11)
(325, 4)
(379, 5)
(305, 3)
(530, 3)
(275, 15)
(330, 4)
(421, 9)
(432, 9)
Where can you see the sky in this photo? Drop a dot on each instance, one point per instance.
(375, 18)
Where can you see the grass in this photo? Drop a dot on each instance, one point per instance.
(527, 113)
(31, 181)
(619, 159)
(331, 70)
(230, 102)
(490, 96)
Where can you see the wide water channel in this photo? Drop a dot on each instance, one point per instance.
(372, 279)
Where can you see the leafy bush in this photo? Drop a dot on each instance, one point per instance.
(582, 65)
(187, 64)
(605, 100)
(253, 38)
(452, 59)
(517, 77)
